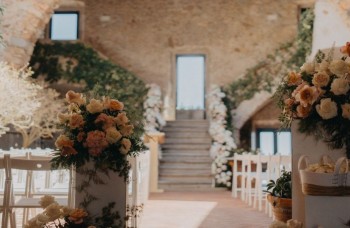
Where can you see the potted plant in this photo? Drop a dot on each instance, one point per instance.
(280, 196)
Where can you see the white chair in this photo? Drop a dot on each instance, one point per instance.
(261, 178)
(242, 174)
(29, 200)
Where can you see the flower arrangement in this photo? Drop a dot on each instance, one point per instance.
(95, 130)
(154, 120)
(319, 96)
(223, 142)
(55, 215)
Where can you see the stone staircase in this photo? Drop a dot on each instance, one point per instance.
(185, 164)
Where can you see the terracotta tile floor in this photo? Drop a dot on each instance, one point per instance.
(200, 210)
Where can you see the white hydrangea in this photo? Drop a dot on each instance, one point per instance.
(153, 104)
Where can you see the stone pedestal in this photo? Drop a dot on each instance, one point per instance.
(113, 190)
(153, 139)
(306, 145)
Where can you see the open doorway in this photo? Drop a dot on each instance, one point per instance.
(190, 87)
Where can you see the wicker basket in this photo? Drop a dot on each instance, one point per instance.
(322, 184)
(281, 208)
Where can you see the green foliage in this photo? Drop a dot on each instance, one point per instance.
(77, 63)
(262, 77)
(282, 187)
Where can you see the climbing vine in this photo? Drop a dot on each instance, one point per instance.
(262, 76)
(78, 63)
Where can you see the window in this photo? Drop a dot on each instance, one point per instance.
(273, 141)
(190, 74)
(64, 26)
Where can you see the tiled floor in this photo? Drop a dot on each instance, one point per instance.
(200, 210)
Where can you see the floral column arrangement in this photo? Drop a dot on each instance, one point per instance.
(222, 140)
(97, 138)
(319, 96)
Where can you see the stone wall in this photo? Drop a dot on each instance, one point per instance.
(145, 36)
(22, 24)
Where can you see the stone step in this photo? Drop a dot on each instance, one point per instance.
(184, 151)
(187, 166)
(186, 134)
(191, 140)
(185, 173)
(186, 180)
(186, 123)
(192, 160)
(190, 188)
(187, 154)
(186, 146)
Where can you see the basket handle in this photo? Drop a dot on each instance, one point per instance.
(338, 164)
(326, 159)
(303, 162)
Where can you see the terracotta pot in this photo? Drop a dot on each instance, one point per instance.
(281, 207)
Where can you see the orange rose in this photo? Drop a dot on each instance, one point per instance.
(96, 142)
(68, 150)
(106, 121)
(289, 102)
(307, 95)
(121, 119)
(112, 135)
(95, 106)
(294, 78)
(76, 121)
(345, 49)
(80, 136)
(63, 141)
(112, 104)
(302, 111)
(73, 97)
(77, 216)
(127, 130)
(125, 146)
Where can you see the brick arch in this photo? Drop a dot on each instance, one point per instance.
(22, 23)
(248, 108)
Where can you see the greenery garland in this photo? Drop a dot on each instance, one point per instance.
(261, 77)
(79, 63)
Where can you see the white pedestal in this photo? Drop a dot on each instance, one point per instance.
(114, 190)
(326, 211)
(306, 145)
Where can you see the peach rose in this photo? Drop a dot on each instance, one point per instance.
(302, 111)
(105, 120)
(76, 121)
(340, 86)
(112, 135)
(73, 97)
(62, 141)
(308, 68)
(127, 130)
(339, 67)
(320, 79)
(96, 142)
(345, 49)
(77, 216)
(113, 104)
(289, 102)
(121, 119)
(327, 109)
(94, 106)
(125, 146)
(294, 78)
(346, 110)
(307, 95)
(63, 118)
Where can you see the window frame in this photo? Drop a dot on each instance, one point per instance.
(65, 12)
(275, 132)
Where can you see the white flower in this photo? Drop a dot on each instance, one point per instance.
(327, 109)
(339, 67)
(340, 86)
(308, 68)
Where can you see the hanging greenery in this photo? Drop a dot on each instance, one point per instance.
(78, 63)
(262, 77)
